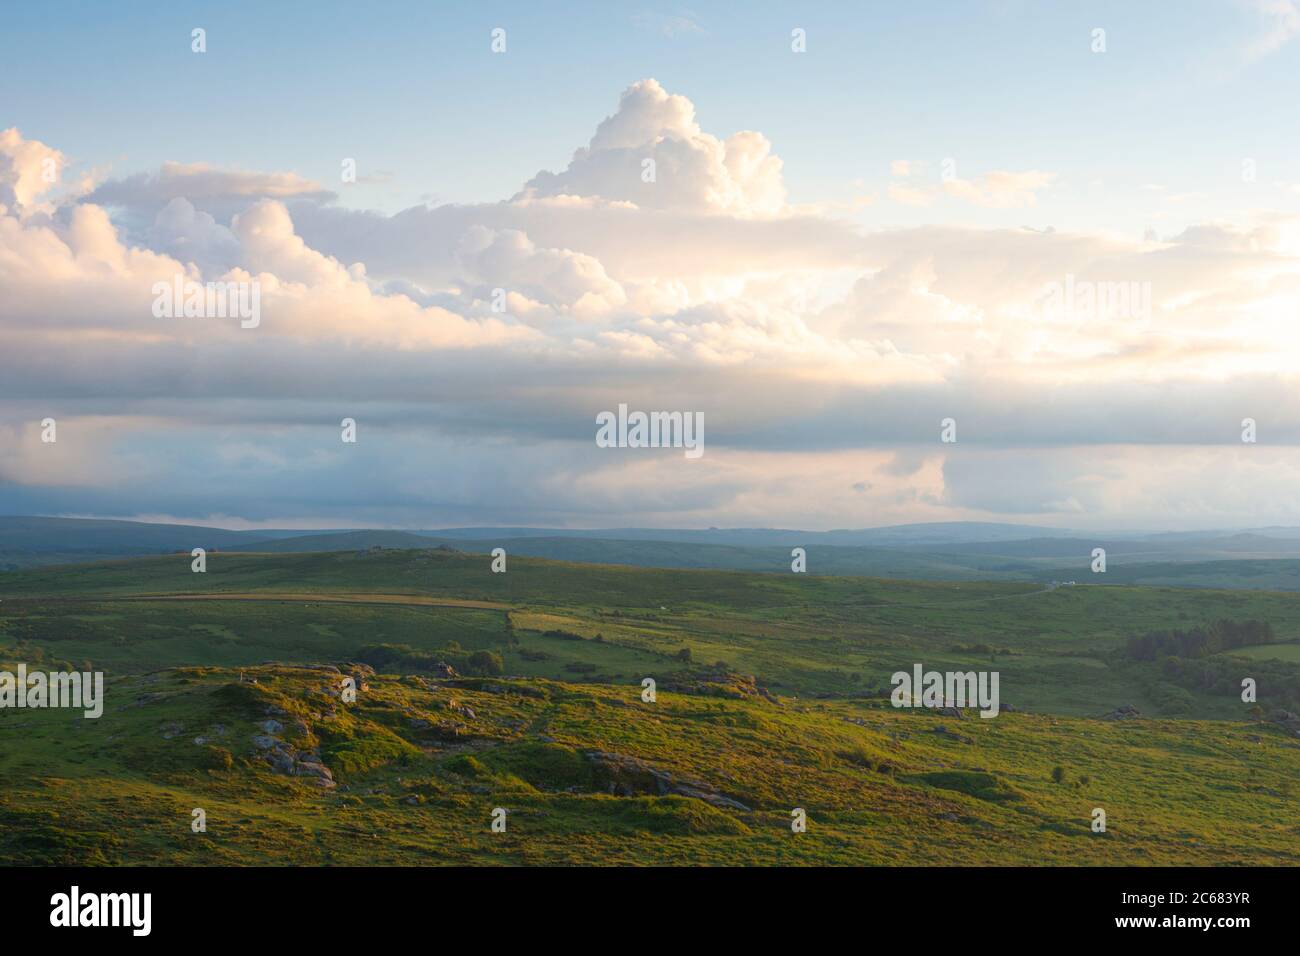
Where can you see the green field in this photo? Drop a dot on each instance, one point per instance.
(772, 695)
(1273, 652)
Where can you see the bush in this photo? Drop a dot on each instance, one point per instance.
(485, 664)
(394, 658)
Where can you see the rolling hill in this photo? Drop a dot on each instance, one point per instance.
(524, 691)
(974, 551)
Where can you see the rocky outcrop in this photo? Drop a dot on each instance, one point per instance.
(457, 707)
(286, 759)
(719, 682)
(439, 729)
(626, 776)
(1127, 712)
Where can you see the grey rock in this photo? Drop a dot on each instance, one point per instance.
(281, 761)
(626, 776)
(1127, 712)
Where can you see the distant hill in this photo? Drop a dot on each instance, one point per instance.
(947, 532)
(1161, 548)
(822, 558)
(1042, 560)
(946, 551)
(32, 541)
(344, 541)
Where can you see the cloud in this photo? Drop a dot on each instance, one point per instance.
(998, 189)
(822, 353)
(137, 200)
(692, 170)
(82, 455)
(28, 169)
(199, 181)
(910, 195)
(1224, 486)
(189, 235)
(558, 279)
(1282, 20)
(1001, 189)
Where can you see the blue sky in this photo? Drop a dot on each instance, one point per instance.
(841, 248)
(408, 89)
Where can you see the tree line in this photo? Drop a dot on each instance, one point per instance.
(1200, 641)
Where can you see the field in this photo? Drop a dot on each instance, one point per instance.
(772, 694)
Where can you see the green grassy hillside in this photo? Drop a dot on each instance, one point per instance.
(590, 774)
(770, 697)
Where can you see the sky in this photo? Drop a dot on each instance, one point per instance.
(826, 229)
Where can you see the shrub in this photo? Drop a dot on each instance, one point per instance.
(485, 664)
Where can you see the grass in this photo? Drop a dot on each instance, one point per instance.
(421, 761)
(116, 791)
(1274, 652)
